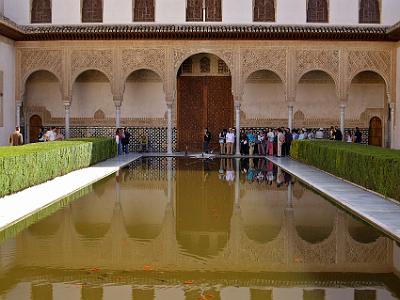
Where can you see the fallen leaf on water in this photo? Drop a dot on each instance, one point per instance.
(189, 282)
(147, 268)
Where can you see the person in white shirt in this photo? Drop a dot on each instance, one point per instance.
(230, 140)
(320, 134)
(50, 135)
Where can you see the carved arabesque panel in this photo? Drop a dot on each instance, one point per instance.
(273, 59)
(46, 59)
(134, 59)
(378, 61)
(180, 55)
(317, 59)
(82, 60)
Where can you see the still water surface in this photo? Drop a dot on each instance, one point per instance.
(193, 229)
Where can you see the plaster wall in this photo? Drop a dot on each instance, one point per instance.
(264, 101)
(363, 96)
(7, 65)
(171, 11)
(1, 7)
(344, 12)
(88, 97)
(18, 11)
(59, 9)
(43, 90)
(237, 11)
(143, 100)
(117, 11)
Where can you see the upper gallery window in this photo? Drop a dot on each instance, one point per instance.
(317, 11)
(92, 11)
(369, 11)
(203, 10)
(143, 11)
(264, 11)
(41, 11)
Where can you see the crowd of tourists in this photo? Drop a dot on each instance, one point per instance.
(274, 141)
(122, 137)
(50, 135)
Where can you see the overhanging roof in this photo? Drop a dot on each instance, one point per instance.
(197, 31)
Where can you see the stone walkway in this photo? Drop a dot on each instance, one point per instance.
(372, 208)
(21, 205)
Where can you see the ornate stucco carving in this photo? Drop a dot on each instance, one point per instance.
(141, 58)
(318, 59)
(273, 59)
(379, 61)
(97, 59)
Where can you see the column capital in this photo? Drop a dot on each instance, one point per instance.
(18, 103)
(169, 105)
(343, 104)
(237, 104)
(67, 105)
(392, 105)
(117, 100)
(290, 104)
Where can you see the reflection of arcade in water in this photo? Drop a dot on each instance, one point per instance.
(176, 229)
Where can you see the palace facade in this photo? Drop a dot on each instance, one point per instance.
(169, 68)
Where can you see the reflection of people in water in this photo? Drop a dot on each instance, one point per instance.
(250, 173)
(221, 171)
(280, 179)
(230, 173)
(270, 172)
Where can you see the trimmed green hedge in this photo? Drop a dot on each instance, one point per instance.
(28, 165)
(374, 168)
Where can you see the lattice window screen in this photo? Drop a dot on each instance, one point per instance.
(369, 11)
(213, 10)
(92, 11)
(264, 11)
(41, 11)
(143, 11)
(317, 11)
(194, 10)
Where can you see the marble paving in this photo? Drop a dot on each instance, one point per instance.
(371, 207)
(18, 206)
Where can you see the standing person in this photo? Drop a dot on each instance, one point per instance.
(59, 135)
(230, 140)
(222, 141)
(252, 141)
(349, 137)
(332, 133)
(338, 134)
(358, 136)
(320, 134)
(260, 144)
(125, 141)
(244, 144)
(41, 135)
(118, 140)
(281, 140)
(50, 135)
(270, 137)
(288, 140)
(16, 137)
(207, 140)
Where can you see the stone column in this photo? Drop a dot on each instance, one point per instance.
(342, 117)
(169, 130)
(237, 111)
(67, 108)
(117, 103)
(290, 117)
(18, 113)
(391, 124)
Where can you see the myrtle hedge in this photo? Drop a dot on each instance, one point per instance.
(28, 165)
(372, 167)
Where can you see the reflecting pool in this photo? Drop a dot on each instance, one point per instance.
(183, 228)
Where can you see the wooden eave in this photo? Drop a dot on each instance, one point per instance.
(196, 32)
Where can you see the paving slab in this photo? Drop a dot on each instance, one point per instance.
(373, 208)
(19, 206)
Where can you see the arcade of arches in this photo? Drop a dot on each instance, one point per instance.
(172, 90)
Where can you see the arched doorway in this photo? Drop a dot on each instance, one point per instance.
(35, 125)
(375, 132)
(204, 100)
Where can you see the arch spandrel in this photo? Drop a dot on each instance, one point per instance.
(325, 60)
(269, 59)
(135, 59)
(361, 60)
(92, 59)
(34, 60)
